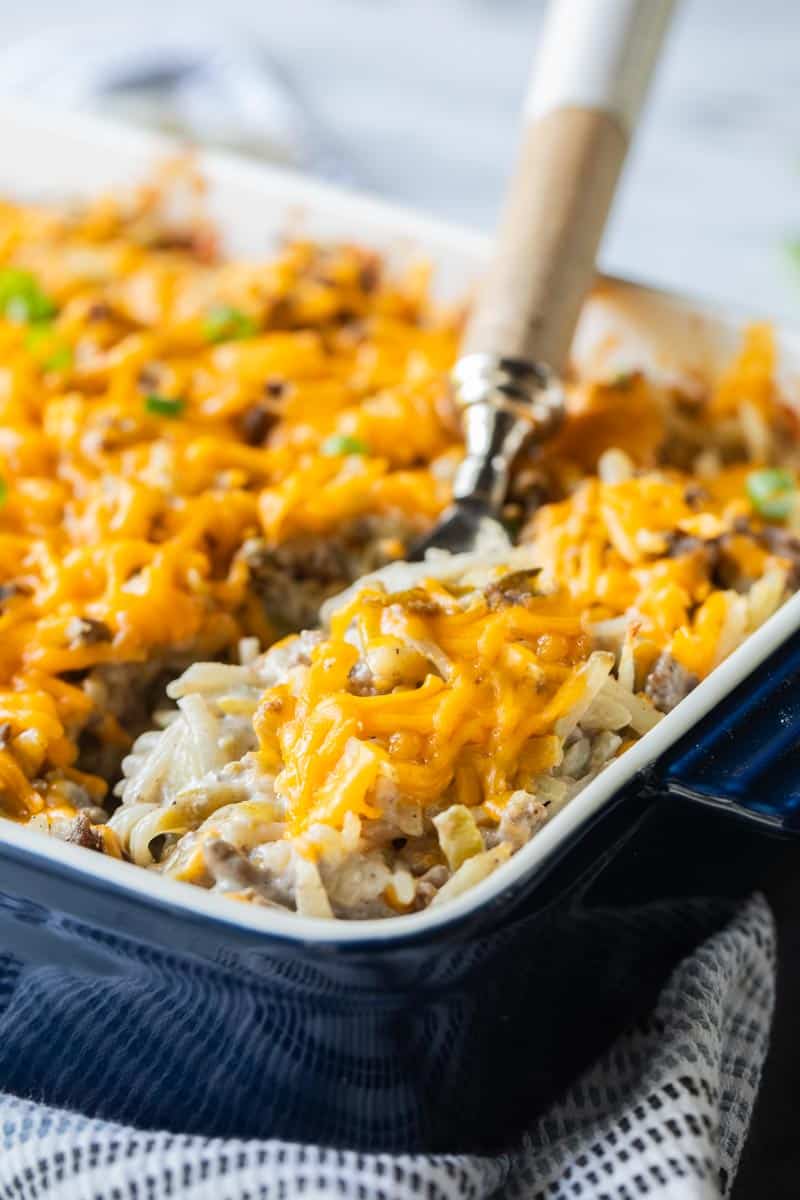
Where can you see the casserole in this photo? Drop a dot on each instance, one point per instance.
(140, 999)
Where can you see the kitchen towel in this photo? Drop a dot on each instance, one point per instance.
(664, 1114)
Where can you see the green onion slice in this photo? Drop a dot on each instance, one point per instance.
(342, 444)
(792, 247)
(224, 323)
(164, 406)
(50, 351)
(59, 360)
(22, 299)
(772, 492)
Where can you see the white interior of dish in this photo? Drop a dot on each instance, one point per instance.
(55, 157)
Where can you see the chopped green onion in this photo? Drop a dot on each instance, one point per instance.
(223, 323)
(772, 492)
(47, 347)
(59, 360)
(341, 444)
(3, 491)
(22, 299)
(622, 380)
(792, 248)
(164, 406)
(35, 338)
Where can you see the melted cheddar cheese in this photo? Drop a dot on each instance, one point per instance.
(643, 549)
(484, 717)
(160, 406)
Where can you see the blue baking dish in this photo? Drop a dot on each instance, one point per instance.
(140, 999)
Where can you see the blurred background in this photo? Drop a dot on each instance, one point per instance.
(419, 99)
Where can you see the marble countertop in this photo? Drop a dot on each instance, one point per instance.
(422, 97)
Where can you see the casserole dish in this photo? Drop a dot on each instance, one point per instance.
(140, 999)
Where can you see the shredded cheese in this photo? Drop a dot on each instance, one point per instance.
(138, 452)
(490, 721)
(161, 407)
(613, 547)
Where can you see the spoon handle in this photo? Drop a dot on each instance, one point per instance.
(588, 83)
(589, 79)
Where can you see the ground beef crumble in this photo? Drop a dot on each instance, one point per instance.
(668, 683)
(80, 832)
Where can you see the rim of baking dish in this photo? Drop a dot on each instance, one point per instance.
(506, 879)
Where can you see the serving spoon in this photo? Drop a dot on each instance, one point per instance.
(589, 79)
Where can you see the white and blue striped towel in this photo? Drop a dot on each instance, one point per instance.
(663, 1115)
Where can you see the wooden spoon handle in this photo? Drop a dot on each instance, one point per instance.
(589, 80)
